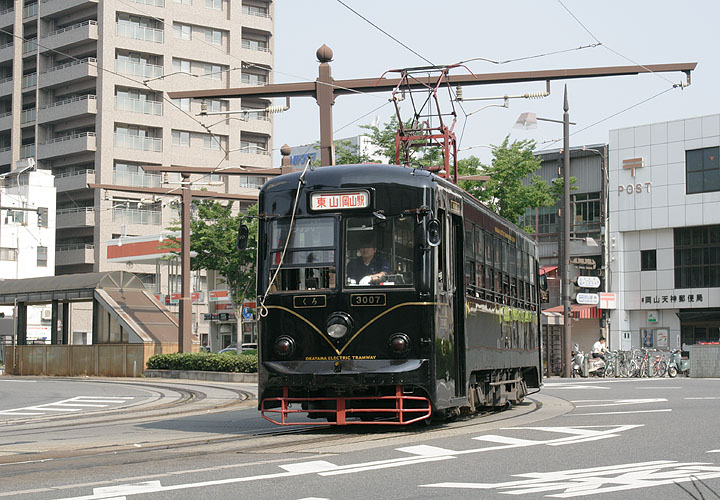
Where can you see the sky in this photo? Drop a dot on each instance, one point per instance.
(446, 32)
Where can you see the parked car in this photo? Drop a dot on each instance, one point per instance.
(249, 346)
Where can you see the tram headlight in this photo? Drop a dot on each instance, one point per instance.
(399, 345)
(339, 324)
(284, 347)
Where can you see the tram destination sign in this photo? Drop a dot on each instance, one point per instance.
(587, 298)
(339, 201)
(588, 281)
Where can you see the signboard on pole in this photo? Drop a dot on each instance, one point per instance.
(607, 300)
(587, 298)
(219, 296)
(588, 281)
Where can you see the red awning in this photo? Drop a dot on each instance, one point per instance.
(577, 311)
(547, 269)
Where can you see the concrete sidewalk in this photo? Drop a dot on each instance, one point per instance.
(207, 376)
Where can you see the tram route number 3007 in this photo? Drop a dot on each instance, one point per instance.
(367, 299)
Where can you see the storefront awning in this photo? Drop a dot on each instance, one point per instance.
(547, 269)
(577, 311)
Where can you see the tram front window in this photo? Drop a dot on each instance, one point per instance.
(309, 261)
(379, 252)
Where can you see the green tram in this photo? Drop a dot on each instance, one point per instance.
(387, 294)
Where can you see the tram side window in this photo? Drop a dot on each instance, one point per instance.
(479, 259)
(309, 261)
(469, 257)
(489, 263)
(379, 252)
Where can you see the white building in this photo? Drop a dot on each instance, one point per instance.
(27, 238)
(360, 144)
(664, 240)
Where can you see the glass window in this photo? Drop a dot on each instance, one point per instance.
(213, 71)
(181, 138)
(379, 252)
(648, 260)
(309, 261)
(7, 253)
(41, 256)
(213, 4)
(181, 65)
(697, 257)
(183, 104)
(182, 31)
(212, 142)
(213, 36)
(702, 170)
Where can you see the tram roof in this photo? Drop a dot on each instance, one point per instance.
(339, 175)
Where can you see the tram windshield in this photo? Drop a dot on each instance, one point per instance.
(309, 261)
(379, 252)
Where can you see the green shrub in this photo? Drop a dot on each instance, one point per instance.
(204, 361)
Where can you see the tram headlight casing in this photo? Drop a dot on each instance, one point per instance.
(398, 345)
(284, 347)
(339, 325)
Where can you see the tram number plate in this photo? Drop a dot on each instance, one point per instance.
(309, 301)
(368, 299)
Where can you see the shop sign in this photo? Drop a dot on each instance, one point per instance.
(607, 300)
(219, 296)
(652, 316)
(587, 298)
(673, 298)
(635, 188)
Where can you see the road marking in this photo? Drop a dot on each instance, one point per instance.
(597, 480)
(421, 454)
(67, 405)
(19, 381)
(661, 387)
(616, 402)
(618, 412)
(127, 489)
(714, 451)
(707, 397)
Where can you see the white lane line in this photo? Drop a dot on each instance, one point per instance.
(81, 404)
(19, 381)
(18, 413)
(47, 408)
(714, 451)
(618, 412)
(616, 402)
(706, 397)
(426, 451)
(62, 406)
(128, 489)
(661, 387)
(309, 467)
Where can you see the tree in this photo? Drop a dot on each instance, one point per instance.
(384, 139)
(505, 192)
(213, 238)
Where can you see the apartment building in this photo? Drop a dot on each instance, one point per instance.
(83, 87)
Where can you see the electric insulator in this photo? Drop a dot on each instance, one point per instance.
(276, 109)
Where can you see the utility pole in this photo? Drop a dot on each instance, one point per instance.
(567, 326)
(326, 88)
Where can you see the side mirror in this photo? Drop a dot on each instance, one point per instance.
(434, 235)
(242, 237)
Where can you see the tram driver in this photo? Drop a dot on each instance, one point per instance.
(369, 266)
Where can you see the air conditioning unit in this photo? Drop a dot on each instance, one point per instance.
(46, 314)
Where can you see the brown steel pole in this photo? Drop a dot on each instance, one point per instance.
(325, 98)
(567, 327)
(185, 332)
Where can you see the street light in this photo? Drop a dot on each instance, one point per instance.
(529, 121)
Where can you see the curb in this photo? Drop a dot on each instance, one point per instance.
(199, 375)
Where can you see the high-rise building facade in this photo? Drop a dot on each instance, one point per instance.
(83, 90)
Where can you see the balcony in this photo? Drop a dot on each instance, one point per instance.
(68, 109)
(70, 72)
(67, 255)
(29, 47)
(136, 180)
(28, 116)
(5, 155)
(6, 86)
(6, 120)
(156, 3)
(72, 181)
(27, 151)
(67, 145)
(29, 81)
(136, 32)
(139, 143)
(135, 216)
(30, 11)
(70, 36)
(75, 217)
(7, 51)
(139, 106)
(54, 7)
(256, 18)
(7, 17)
(138, 69)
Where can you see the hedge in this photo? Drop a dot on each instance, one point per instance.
(204, 361)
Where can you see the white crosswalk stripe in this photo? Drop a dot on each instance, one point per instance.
(71, 405)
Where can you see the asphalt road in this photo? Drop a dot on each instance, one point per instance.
(619, 438)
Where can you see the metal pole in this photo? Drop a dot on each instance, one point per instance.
(185, 330)
(325, 98)
(567, 328)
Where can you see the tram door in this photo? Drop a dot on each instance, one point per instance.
(456, 268)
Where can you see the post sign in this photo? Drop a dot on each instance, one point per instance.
(588, 282)
(339, 201)
(607, 300)
(587, 298)
(219, 296)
